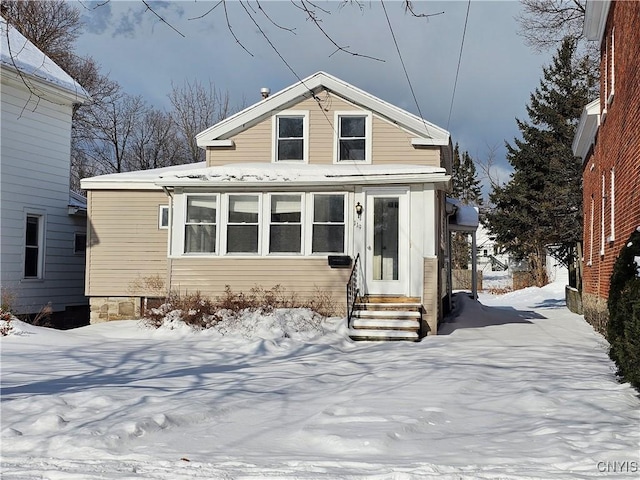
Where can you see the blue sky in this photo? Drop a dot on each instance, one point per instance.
(497, 71)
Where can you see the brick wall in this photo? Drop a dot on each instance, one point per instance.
(614, 195)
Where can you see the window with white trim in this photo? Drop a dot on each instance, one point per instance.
(328, 224)
(163, 217)
(243, 224)
(291, 137)
(353, 132)
(285, 224)
(612, 195)
(34, 246)
(200, 235)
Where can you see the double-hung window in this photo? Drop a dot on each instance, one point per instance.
(200, 234)
(285, 228)
(354, 137)
(328, 228)
(34, 246)
(291, 137)
(243, 224)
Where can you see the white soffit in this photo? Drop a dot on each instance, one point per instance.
(595, 19)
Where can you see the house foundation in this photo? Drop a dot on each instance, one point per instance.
(106, 309)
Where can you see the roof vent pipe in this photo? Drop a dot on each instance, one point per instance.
(265, 91)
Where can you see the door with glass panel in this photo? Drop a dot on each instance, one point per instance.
(387, 241)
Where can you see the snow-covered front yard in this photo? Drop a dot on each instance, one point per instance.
(517, 388)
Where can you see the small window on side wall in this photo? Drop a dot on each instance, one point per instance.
(34, 246)
(163, 217)
(79, 243)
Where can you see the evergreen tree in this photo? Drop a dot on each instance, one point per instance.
(540, 208)
(466, 188)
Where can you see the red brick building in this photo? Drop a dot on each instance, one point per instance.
(608, 140)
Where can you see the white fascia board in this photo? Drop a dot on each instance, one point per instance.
(95, 184)
(587, 129)
(595, 19)
(404, 179)
(44, 89)
(305, 89)
(430, 142)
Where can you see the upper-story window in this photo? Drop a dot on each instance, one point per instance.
(291, 137)
(353, 137)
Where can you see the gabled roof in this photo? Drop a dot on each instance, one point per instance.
(219, 134)
(23, 58)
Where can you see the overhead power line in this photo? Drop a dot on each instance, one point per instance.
(455, 83)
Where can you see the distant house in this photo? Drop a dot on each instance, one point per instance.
(43, 225)
(315, 187)
(608, 140)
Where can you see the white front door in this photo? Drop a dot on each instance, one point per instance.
(387, 241)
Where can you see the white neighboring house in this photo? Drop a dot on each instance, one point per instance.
(43, 224)
(490, 257)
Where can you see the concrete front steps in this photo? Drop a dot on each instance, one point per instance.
(386, 319)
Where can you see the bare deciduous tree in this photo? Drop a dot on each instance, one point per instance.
(195, 108)
(545, 23)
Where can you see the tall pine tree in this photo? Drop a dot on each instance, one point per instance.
(540, 209)
(466, 188)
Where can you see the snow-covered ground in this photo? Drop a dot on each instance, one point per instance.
(516, 388)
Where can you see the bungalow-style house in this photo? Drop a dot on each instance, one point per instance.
(608, 141)
(320, 187)
(42, 223)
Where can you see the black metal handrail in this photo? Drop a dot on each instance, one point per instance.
(353, 290)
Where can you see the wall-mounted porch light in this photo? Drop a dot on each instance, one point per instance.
(359, 209)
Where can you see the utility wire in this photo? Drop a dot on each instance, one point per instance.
(403, 66)
(455, 84)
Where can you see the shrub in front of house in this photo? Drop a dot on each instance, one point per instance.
(200, 312)
(623, 331)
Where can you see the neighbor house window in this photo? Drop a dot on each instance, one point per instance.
(291, 137)
(354, 137)
(34, 246)
(328, 229)
(243, 224)
(79, 243)
(201, 224)
(163, 216)
(285, 228)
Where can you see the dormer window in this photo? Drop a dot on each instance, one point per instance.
(353, 137)
(291, 137)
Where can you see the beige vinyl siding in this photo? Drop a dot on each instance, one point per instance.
(391, 144)
(304, 277)
(430, 298)
(125, 244)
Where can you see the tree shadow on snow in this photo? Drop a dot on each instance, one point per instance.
(469, 313)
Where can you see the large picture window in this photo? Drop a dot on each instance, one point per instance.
(201, 224)
(285, 229)
(290, 140)
(33, 246)
(328, 231)
(243, 224)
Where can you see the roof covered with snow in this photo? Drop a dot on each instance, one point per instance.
(266, 175)
(464, 218)
(18, 54)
